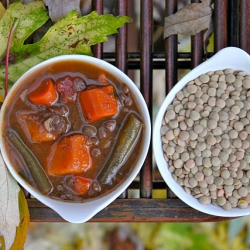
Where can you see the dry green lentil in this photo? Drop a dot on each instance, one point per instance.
(214, 115)
(198, 128)
(192, 182)
(206, 162)
(225, 143)
(204, 78)
(201, 146)
(246, 83)
(227, 206)
(164, 130)
(191, 89)
(203, 133)
(209, 179)
(190, 163)
(225, 174)
(170, 114)
(229, 181)
(237, 143)
(212, 124)
(191, 105)
(217, 131)
(211, 101)
(233, 134)
(195, 115)
(179, 149)
(199, 176)
(223, 115)
(175, 156)
(242, 204)
(184, 135)
(189, 122)
(181, 142)
(178, 163)
(206, 153)
(173, 124)
(221, 201)
(178, 108)
(238, 126)
(193, 144)
(192, 135)
(211, 92)
(242, 113)
(185, 156)
(205, 200)
(223, 156)
(170, 135)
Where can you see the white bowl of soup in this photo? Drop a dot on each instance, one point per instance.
(75, 132)
(201, 135)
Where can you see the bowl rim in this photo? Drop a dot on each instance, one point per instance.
(230, 57)
(94, 205)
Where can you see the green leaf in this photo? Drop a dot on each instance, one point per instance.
(31, 16)
(70, 35)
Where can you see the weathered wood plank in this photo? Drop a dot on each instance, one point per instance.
(132, 210)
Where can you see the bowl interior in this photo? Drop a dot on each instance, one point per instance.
(230, 57)
(81, 212)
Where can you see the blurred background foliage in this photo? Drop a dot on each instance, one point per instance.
(226, 235)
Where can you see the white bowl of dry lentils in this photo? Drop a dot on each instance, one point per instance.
(201, 136)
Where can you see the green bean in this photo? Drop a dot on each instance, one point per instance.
(124, 144)
(36, 170)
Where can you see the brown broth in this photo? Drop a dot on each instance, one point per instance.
(90, 74)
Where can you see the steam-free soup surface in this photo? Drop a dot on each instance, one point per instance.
(81, 124)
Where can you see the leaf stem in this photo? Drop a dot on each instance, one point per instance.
(7, 56)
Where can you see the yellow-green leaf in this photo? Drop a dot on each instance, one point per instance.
(2, 10)
(27, 22)
(22, 229)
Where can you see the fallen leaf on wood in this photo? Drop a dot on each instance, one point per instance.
(22, 229)
(60, 8)
(189, 20)
(9, 209)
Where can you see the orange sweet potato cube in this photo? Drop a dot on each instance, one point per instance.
(98, 103)
(70, 155)
(34, 129)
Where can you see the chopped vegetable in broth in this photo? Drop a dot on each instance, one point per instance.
(73, 131)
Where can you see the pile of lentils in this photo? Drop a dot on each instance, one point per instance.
(206, 138)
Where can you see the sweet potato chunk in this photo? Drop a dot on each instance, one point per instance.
(80, 185)
(98, 103)
(70, 155)
(44, 94)
(34, 129)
